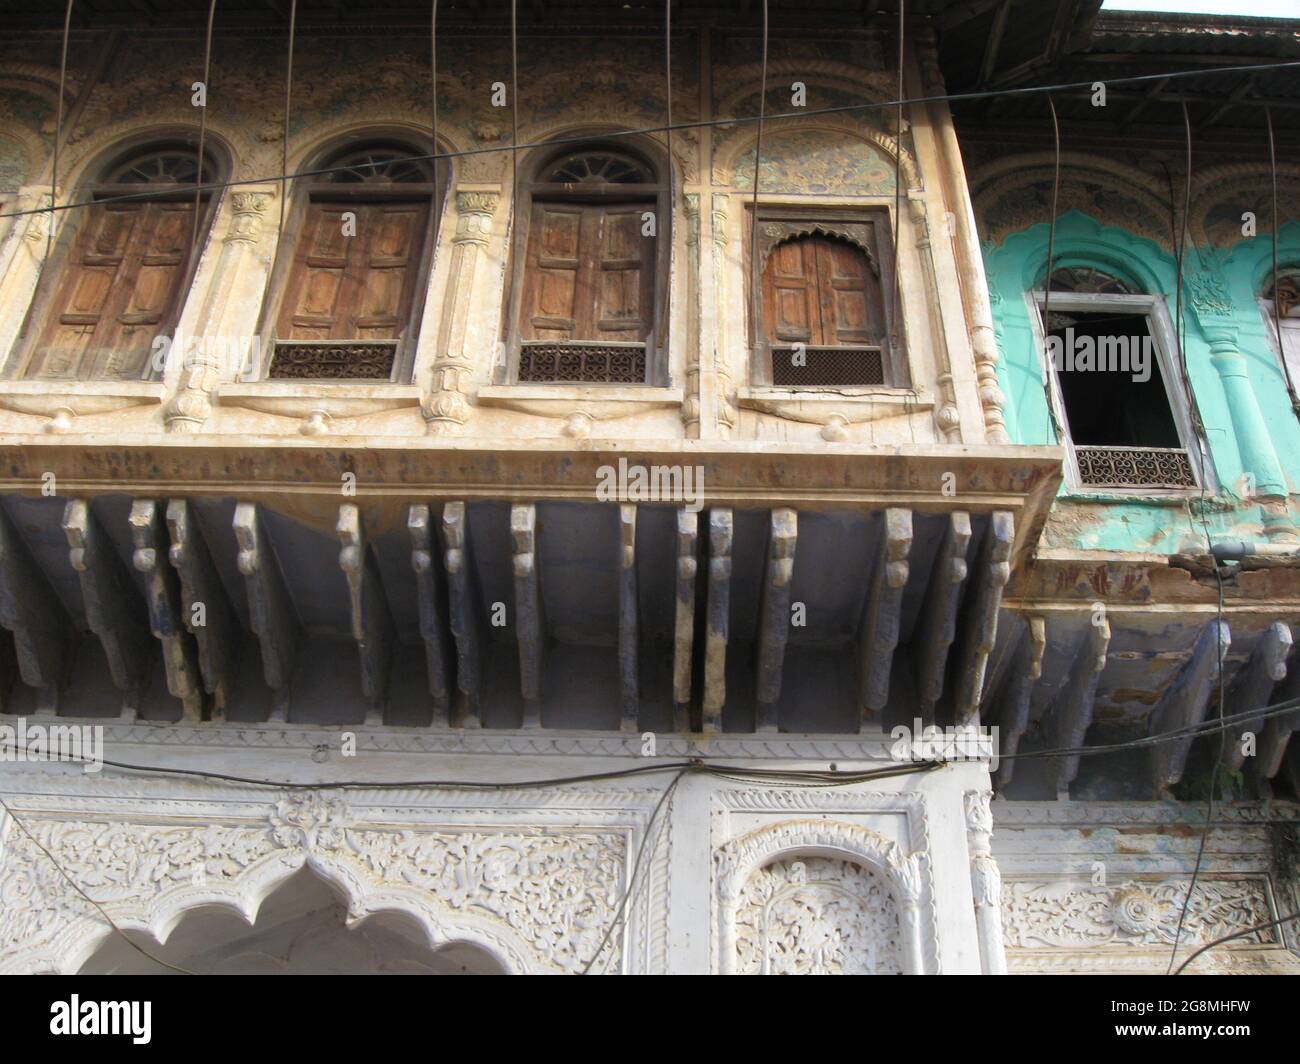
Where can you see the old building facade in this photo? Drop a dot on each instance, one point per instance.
(533, 422)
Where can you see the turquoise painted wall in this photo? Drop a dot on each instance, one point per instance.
(1243, 401)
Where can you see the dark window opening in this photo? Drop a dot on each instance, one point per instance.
(1117, 409)
(1113, 407)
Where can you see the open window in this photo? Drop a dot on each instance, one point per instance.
(822, 301)
(347, 305)
(591, 270)
(1281, 306)
(121, 278)
(1115, 389)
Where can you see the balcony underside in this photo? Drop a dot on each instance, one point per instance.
(462, 588)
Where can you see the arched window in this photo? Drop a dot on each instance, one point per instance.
(122, 279)
(1086, 279)
(1118, 395)
(590, 268)
(822, 303)
(347, 306)
(1281, 304)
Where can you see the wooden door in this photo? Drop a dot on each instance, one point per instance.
(358, 287)
(821, 292)
(588, 273)
(119, 291)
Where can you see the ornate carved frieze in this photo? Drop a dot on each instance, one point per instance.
(1065, 914)
(539, 899)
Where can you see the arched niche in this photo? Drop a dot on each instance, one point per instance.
(822, 896)
(301, 928)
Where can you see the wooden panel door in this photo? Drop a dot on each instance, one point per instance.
(588, 273)
(118, 293)
(355, 287)
(821, 292)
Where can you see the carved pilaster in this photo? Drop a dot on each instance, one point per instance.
(36, 198)
(446, 407)
(722, 372)
(201, 369)
(985, 882)
(691, 403)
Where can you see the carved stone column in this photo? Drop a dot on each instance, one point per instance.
(965, 243)
(722, 386)
(225, 323)
(446, 408)
(1213, 307)
(691, 402)
(986, 883)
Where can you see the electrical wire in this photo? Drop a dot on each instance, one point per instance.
(680, 770)
(677, 126)
(58, 135)
(817, 776)
(1238, 934)
(636, 867)
(896, 303)
(1180, 332)
(1277, 236)
(755, 282)
(288, 97)
(203, 130)
(1048, 370)
(433, 63)
(514, 114)
(77, 887)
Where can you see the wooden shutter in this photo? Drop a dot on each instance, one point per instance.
(623, 276)
(354, 287)
(588, 273)
(118, 293)
(791, 303)
(821, 291)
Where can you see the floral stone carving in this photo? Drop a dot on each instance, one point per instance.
(817, 916)
(537, 900)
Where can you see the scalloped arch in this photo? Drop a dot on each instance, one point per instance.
(70, 948)
(1005, 176)
(1081, 240)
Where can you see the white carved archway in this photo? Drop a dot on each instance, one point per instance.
(501, 892)
(905, 873)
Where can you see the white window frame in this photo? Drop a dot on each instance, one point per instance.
(1154, 309)
(1290, 353)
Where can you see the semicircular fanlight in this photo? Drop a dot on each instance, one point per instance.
(377, 166)
(160, 166)
(1085, 279)
(597, 167)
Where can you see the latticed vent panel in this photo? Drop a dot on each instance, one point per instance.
(1134, 467)
(810, 367)
(368, 360)
(582, 363)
